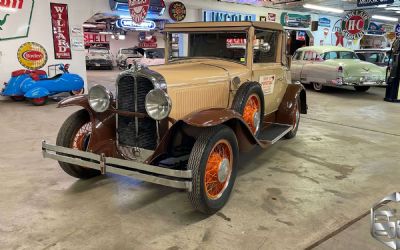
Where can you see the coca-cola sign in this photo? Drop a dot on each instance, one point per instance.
(355, 24)
(138, 10)
(61, 39)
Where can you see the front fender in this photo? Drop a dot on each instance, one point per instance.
(37, 92)
(286, 112)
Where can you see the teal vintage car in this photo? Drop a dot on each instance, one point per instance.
(335, 66)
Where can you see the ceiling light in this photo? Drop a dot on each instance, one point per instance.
(105, 33)
(385, 18)
(393, 8)
(322, 8)
(382, 6)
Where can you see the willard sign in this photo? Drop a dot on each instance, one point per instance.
(15, 18)
(61, 39)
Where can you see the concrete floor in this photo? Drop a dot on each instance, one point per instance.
(291, 196)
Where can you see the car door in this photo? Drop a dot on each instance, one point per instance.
(268, 69)
(297, 66)
(313, 68)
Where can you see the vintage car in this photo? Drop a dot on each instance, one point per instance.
(184, 123)
(37, 86)
(125, 54)
(378, 57)
(150, 57)
(335, 66)
(99, 58)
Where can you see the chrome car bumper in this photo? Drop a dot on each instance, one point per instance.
(354, 81)
(180, 179)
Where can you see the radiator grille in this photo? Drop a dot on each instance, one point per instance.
(131, 131)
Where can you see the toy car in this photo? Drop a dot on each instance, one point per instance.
(335, 66)
(36, 86)
(184, 123)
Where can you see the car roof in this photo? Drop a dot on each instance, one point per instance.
(324, 49)
(222, 25)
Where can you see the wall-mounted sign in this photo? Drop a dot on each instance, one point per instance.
(139, 9)
(223, 16)
(91, 38)
(295, 20)
(301, 35)
(264, 3)
(127, 23)
(337, 34)
(15, 18)
(324, 22)
(60, 23)
(32, 55)
(364, 3)
(177, 11)
(397, 30)
(376, 29)
(147, 41)
(271, 17)
(355, 24)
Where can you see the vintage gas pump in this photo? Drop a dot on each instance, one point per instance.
(393, 78)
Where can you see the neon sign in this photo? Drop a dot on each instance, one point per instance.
(223, 16)
(127, 23)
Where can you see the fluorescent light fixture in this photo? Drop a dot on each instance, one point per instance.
(398, 12)
(322, 8)
(382, 6)
(385, 18)
(393, 8)
(105, 33)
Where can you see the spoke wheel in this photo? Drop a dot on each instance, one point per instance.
(252, 113)
(81, 139)
(218, 170)
(78, 92)
(213, 162)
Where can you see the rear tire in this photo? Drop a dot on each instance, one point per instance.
(39, 101)
(362, 88)
(319, 87)
(213, 162)
(19, 98)
(68, 137)
(241, 102)
(78, 92)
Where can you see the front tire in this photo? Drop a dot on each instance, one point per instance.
(39, 101)
(319, 87)
(296, 121)
(213, 162)
(249, 102)
(75, 133)
(362, 88)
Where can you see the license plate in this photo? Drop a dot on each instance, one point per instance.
(97, 64)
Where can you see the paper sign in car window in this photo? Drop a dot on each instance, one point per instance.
(268, 84)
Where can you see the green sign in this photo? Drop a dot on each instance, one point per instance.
(295, 20)
(15, 18)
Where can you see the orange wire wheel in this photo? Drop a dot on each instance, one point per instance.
(81, 138)
(218, 170)
(252, 113)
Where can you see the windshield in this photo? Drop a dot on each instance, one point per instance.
(373, 57)
(225, 45)
(340, 55)
(155, 53)
(128, 51)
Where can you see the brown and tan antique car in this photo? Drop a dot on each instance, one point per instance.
(184, 123)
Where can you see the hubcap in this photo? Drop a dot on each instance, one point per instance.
(218, 170)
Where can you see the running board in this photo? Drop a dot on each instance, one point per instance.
(274, 132)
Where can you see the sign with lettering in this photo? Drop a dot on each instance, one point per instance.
(127, 23)
(61, 38)
(355, 24)
(324, 22)
(223, 16)
(138, 9)
(95, 38)
(376, 29)
(32, 55)
(177, 11)
(365, 3)
(295, 20)
(15, 18)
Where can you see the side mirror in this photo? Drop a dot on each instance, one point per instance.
(265, 47)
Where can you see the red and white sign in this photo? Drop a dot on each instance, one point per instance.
(61, 39)
(268, 84)
(95, 38)
(355, 24)
(271, 17)
(138, 10)
(148, 42)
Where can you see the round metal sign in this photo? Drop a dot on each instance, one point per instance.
(397, 30)
(177, 11)
(139, 10)
(355, 24)
(32, 55)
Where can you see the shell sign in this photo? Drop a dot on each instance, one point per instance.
(355, 24)
(15, 18)
(32, 55)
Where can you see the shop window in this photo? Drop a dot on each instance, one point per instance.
(265, 46)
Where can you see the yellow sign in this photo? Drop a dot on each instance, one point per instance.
(32, 55)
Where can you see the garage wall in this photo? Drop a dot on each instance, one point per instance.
(41, 32)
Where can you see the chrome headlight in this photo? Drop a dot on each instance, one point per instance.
(99, 98)
(158, 104)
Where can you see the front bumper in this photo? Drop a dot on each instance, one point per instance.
(180, 179)
(98, 63)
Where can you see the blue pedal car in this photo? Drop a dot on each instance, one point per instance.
(37, 87)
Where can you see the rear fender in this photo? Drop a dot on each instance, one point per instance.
(103, 137)
(286, 112)
(37, 92)
(14, 86)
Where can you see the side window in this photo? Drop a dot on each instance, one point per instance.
(308, 55)
(265, 46)
(330, 55)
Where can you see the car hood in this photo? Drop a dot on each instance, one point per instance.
(200, 71)
(360, 68)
